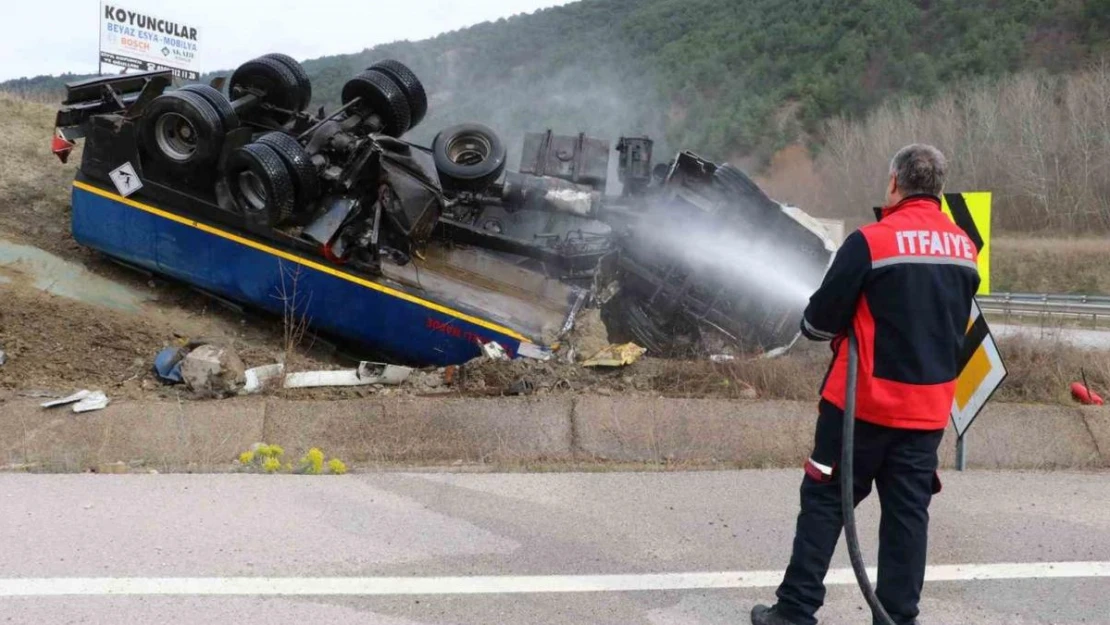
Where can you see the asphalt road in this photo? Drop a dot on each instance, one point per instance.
(433, 548)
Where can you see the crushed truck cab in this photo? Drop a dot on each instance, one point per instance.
(422, 254)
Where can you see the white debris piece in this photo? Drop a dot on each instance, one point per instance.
(722, 358)
(76, 397)
(531, 350)
(494, 351)
(367, 373)
(258, 377)
(94, 401)
(3, 358)
(83, 401)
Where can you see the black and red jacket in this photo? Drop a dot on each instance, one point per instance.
(905, 285)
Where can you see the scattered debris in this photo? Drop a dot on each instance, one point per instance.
(367, 373)
(523, 386)
(39, 394)
(450, 373)
(531, 350)
(1084, 395)
(95, 401)
(76, 397)
(212, 370)
(616, 356)
(3, 358)
(722, 358)
(83, 400)
(589, 335)
(494, 351)
(167, 364)
(257, 378)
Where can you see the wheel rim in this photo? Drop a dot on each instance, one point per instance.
(469, 149)
(176, 136)
(253, 191)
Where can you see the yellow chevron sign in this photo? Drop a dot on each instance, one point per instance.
(972, 212)
(981, 371)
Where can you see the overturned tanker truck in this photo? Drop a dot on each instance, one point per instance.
(422, 254)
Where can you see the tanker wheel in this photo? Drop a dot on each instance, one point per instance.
(277, 85)
(379, 95)
(306, 180)
(406, 79)
(468, 157)
(261, 184)
(228, 117)
(304, 85)
(182, 130)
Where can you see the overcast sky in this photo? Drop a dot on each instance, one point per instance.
(56, 36)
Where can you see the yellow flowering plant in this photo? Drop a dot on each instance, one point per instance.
(267, 458)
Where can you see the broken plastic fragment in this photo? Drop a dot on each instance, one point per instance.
(722, 358)
(3, 358)
(167, 364)
(616, 356)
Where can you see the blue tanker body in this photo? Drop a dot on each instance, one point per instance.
(373, 315)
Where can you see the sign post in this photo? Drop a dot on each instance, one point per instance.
(981, 368)
(148, 41)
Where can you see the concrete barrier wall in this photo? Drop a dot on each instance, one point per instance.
(208, 435)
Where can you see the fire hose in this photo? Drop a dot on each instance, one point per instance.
(847, 490)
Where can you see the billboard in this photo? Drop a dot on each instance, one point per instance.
(148, 40)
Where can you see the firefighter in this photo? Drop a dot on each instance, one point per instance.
(904, 286)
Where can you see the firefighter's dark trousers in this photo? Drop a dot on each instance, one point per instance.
(902, 464)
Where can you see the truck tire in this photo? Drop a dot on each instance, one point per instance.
(277, 83)
(468, 157)
(219, 102)
(303, 83)
(381, 96)
(408, 82)
(180, 129)
(261, 184)
(306, 180)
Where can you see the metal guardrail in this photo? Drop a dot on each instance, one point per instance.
(1046, 303)
(1047, 297)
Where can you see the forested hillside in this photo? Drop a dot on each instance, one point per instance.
(728, 79)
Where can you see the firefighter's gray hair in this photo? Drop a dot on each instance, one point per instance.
(919, 168)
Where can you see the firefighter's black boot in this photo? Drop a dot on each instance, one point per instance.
(762, 615)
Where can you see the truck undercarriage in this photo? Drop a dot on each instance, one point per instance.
(440, 248)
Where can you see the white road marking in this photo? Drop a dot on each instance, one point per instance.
(57, 586)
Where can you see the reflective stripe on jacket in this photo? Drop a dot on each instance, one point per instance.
(905, 284)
